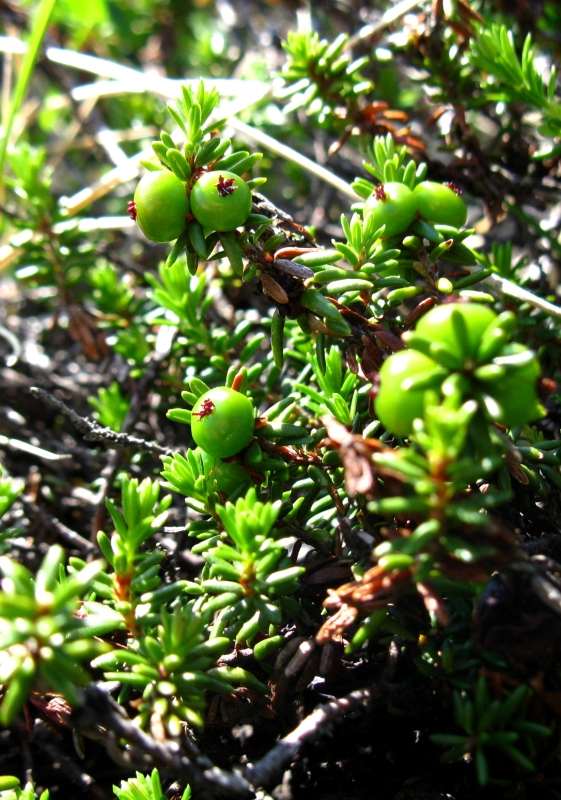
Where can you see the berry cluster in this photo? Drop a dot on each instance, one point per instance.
(162, 203)
(460, 349)
(222, 424)
(396, 206)
(195, 195)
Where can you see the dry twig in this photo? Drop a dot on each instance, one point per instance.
(67, 535)
(316, 724)
(206, 779)
(97, 433)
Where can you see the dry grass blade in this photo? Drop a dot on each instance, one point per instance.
(37, 33)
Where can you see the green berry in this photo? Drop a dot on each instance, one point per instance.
(161, 205)
(515, 397)
(222, 421)
(440, 205)
(221, 200)
(393, 205)
(397, 405)
(458, 326)
(222, 476)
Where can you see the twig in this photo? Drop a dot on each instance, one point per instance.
(87, 224)
(87, 141)
(21, 734)
(283, 150)
(205, 778)
(192, 766)
(14, 343)
(316, 724)
(25, 447)
(97, 433)
(125, 172)
(43, 736)
(66, 534)
(513, 290)
(141, 390)
(142, 81)
(301, 533)
(393, 13)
